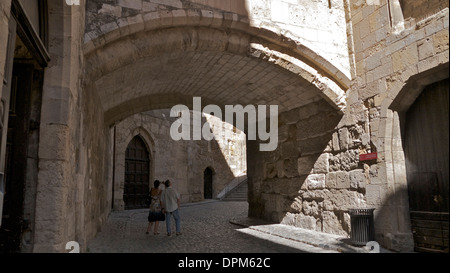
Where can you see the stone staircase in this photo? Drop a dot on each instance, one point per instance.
(237, 194)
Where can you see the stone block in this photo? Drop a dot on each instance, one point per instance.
(115, 11)
(283, 133)
(343, 199)
(166, 17)
(322, 164)
(280, 168)
(151, 20)
(193, 17)
(331, 223)
(441, 41)
(305, 164)
(131, 4)
(279, 11)
(149, 7)
(311, 208)
(54, 146)
(270, 170)
(207, 17)
(377, 174)
(111, 31)
(135, 23)
(342, 180)
(308, 111)
(172, 3)
(426, 49)
(297, 205)
(290, 167)
(315, 181)
(290, 117)
(179, 17)
(373, 195)
(357, 179)
(306, 221)
(343, 138)
(330, 180)
(335, 142)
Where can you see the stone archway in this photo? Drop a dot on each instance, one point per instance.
(156, 63)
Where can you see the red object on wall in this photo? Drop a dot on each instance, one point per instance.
(365, 157)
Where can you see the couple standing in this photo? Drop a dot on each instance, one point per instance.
(163, 205)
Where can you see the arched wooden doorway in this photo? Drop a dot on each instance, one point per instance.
(208, 183)
(426, 149)
(137, 174)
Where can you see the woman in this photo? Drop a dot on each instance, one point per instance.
(155, 214)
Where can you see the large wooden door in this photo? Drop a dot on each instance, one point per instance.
(137, 174)
(427, 165)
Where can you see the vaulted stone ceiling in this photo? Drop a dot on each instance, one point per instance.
(154, 62)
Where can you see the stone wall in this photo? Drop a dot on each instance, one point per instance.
(419, 9)
(183, 162)
(392, 67)
(312, 182)
(314, 176)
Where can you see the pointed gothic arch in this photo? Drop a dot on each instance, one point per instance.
(137, 173)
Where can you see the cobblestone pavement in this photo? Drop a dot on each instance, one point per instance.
(205, 227)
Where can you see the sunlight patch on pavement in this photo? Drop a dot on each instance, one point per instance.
(283, 241)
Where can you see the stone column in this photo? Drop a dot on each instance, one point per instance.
(55, 221)
(397, 21)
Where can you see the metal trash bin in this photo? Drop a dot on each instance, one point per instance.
(362, 226)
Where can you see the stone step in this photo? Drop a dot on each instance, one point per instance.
(238, 194)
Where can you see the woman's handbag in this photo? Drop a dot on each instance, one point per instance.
(161, 216)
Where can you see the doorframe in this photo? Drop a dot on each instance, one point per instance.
(148, 159)
(119, 159)
(212, 182)
(393, 113)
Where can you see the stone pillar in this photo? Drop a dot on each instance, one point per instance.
(397, 21)
(5, 11)
(55, 221)
(5, 28)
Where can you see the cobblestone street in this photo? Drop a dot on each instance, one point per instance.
(205, 226)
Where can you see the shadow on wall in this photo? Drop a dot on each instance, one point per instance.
(304, 182)
(414, 218)
(392, 222)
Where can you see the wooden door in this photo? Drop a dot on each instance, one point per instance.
(137, 174)
(427, 165)
(16, 157)
(207, 186)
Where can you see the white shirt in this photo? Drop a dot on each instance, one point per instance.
(170, 198)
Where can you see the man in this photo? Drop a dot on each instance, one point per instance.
(170, 199)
